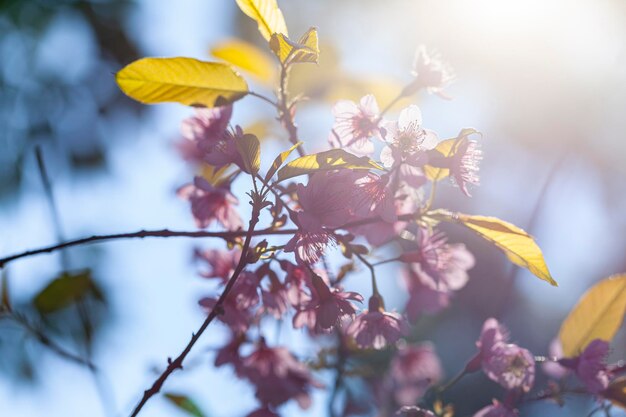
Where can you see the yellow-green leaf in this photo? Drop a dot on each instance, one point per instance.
(516, 244)
(447, 148)
(325, 161)
(288, 51)
(182, 80)
(185, 404)
(598, 315)
(250, 151)
(247, 57)
(267, 15)
(214, 176)
(279, 161)
(63, 291)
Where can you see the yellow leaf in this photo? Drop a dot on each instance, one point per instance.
(247, 57)
(446, 148)
(250, 151)
(287, 51)
(267, 15)
(214, 176)
(325, 161)
(598, 315)
(517, 245)
(279, 161)
(182, 80)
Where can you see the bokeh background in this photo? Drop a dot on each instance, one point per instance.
(544, 81)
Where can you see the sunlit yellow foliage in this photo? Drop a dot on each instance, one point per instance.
(517, 245)
(247, 57)
(324, 161)
(598, 315)
(181, 80)
(267, 14)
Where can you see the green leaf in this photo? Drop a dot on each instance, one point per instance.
(447, 148)
(287, 51)
(250, 151)
(279, 161)
(182, 80)
(598, 315)
(517, 245)
(325, 161)
(63, 291)
(247, 57)
(5, 303)
(185, 404)
(267, 15)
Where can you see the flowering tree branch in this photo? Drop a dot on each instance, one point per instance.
(215, 311)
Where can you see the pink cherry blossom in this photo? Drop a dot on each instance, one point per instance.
(590, 366)
(355, 125)
(510, 366)
(276, 297)
(278, 376)
(505, 363)
(377, 328)
(438, 264)
(202, 130)
(406, 140)
(373, 196)
(210, 203)
(229, 353)
(221, 263)
(309, 246)
(431, 72)
(413, 370)
(326, 307)
(236, 318)
(552, 367)
(298, 282)
(423, 298)
(496, 410)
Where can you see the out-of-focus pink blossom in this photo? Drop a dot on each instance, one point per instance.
(423, 298)
(413, 411)
(438, 264)
(355, 125)
(505, 363)
(221, 263)
(377, 328)
(238, 319)
(413, 370)
(496, 410)
(275, 298)
(202, 130)
(298, 282)
(278, 376)
(431, 72)
(590, 366)
(406, 140)
(210, 203)
(326, 307)
(229, 353)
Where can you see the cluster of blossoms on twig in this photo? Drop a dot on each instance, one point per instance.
(374, 186)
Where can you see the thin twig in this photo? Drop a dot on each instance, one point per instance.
(215, 311)
(262, 97)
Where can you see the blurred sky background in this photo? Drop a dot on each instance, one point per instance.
(543, 80)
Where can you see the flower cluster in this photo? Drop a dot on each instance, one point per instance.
(369, 189)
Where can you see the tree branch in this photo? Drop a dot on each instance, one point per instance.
(217, 309)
